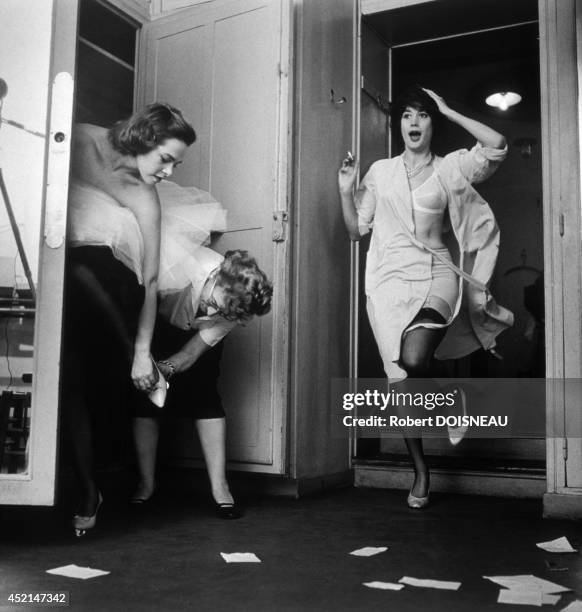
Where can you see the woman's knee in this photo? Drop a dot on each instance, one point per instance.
(416, 363)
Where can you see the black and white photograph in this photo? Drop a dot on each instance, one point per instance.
(291, 305)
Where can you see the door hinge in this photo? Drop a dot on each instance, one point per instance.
(565, 449)
(280, 219)
(561, 224)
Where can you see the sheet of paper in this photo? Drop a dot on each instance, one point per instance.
(520, 597)
(368, 551)
(525, 582)
(559, 545)
(575, 606)
(550, 600)
(387, 586)
(239, 557)
(430, 584)
(74, 571)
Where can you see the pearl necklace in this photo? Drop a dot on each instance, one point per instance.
(416, 171)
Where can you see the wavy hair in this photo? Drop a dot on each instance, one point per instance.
(247, 289)
(150, 127)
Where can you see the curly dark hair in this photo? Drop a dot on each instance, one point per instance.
(247, 289)
(150, 127)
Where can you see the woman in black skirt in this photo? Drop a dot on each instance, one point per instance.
(112, 273)
(227, 291)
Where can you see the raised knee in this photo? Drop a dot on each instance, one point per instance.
(415, 365)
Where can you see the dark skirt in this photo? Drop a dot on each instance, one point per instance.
(98, 345)
(103, 300)
(192, 393)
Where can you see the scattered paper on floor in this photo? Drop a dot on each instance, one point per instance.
(559, 545)
(525, 582)
(74, 571)
(239, 557)
(387, 586)
(368, 551)
(520, 597)
(575, 606)
(430, 584)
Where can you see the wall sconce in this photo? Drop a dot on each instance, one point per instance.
(503, 99)
(525, 145)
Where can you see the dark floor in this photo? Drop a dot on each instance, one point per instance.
(167, 558)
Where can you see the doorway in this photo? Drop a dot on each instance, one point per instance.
(105, 77)
(465, 57)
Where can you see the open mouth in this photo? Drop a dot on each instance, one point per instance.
(414, 135)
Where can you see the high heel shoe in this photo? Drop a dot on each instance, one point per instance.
(417, 502)
(456, 434)
(82, 524)
(228, 510)
(139, 501)
(157, 395)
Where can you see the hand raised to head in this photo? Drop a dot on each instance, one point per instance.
(439, 101)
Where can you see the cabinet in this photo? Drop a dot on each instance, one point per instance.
(263, 118)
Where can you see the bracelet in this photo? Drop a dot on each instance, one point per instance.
(171, 366)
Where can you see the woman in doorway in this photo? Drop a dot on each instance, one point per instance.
(223, 292)
(413, 287)
(112, 271)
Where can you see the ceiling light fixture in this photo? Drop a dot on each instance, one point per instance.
(503, 99)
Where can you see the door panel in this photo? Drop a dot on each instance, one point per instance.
(225, 65)
(323, 132)
(35, 138)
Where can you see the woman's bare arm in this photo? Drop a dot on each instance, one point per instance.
(187, 356)
(483, 133)
(144, 204)
(346, 180)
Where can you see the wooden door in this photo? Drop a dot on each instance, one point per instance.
(226, 66)
(37, 56)
(323, 132)
(560, 35)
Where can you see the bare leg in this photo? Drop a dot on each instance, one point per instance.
(212, 434)
(145, 434)
(418, 347)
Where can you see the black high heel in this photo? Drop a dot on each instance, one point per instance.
(228, 510)
(142, 502)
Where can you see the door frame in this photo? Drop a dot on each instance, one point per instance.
(560, 32)
(561, 201)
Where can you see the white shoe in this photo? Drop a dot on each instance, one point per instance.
(456, 434)
(157, 395)
(82, 524)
